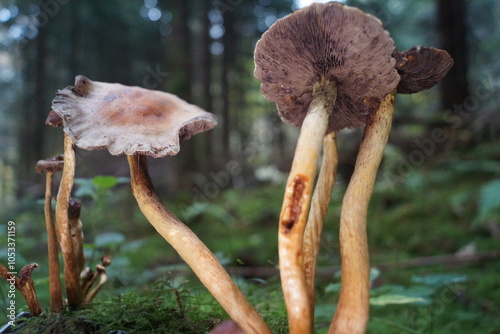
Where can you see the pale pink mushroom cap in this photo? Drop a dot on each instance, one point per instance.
(127, 120)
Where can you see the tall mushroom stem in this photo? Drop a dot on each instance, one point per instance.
(319, 206)
(296, 206)
(56, 301)
(71, 276)
(352, 311)
(204, 264)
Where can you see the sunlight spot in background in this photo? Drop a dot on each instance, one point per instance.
(4, 15)
(216, 48)
(154, 14)
(304, 3)
(151, 12)
(216, 31)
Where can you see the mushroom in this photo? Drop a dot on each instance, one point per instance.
(89, 278)
(352, 311)
(51, 166)
(421, 68)
(327, 67)
(102, 280)
(139, 122)
(25, 285)
(99, 269)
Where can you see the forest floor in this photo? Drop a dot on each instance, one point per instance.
(448, 210)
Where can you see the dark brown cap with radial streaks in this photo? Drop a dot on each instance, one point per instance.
(326, 42)
(421, 68)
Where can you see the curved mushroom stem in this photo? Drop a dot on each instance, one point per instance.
(204, 264)
(71, 276)
(296, 206)
(319, 206)
(352, 311)
(56, 302)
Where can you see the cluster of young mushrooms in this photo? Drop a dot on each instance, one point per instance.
(327, 67)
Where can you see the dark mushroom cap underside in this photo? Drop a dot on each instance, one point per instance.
(331, 42)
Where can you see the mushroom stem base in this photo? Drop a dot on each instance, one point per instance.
(201, 260)
(352, 311)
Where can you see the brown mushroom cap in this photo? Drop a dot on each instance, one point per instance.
(331, 42)
(421, 68)
(53, 119)
(52, 165)
(127, 120)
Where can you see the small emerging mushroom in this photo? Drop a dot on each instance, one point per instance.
(139, 122)
(25, 285)
(327, 67)
(99, 270)
(102, 280)
(51, 166)
(89, 278)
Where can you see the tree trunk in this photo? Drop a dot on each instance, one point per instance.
(228, 41)
(452, 29)
(32, 124)
(205, 76)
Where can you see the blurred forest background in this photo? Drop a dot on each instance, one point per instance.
(438, 189)
(202, 51)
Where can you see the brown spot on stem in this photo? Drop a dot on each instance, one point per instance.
(295, 207)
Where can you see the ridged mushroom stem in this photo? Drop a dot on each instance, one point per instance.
(204, 264)
(56, 301)
(295, 208)
(319, 206)
(71, 276)
(352, 311)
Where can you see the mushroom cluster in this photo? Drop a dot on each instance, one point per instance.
(67, 232)
(329, 67)
(139, 122)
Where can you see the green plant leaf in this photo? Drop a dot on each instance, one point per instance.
(104, 182)
(333, 287)
(109, 239)
(85, 188)
(489, 201)
(398, 294)
(398, 299)
(437, 280)
(200, 208)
